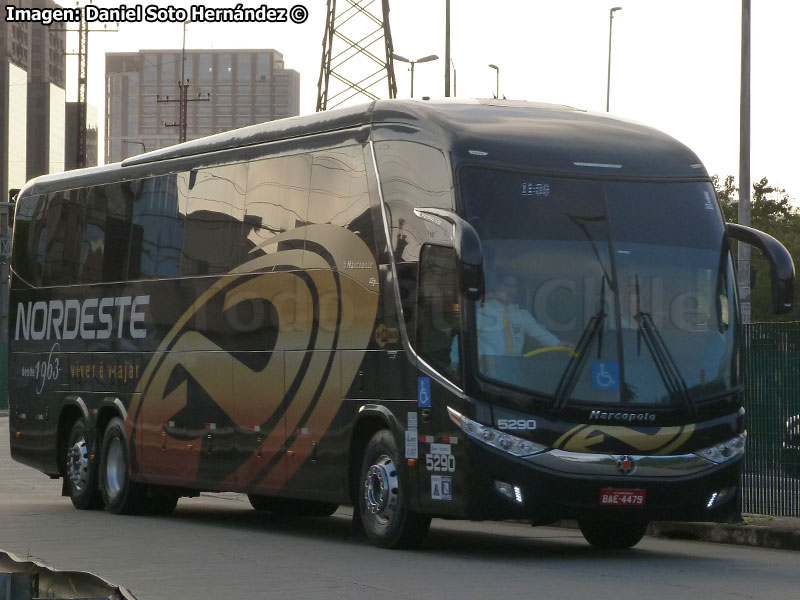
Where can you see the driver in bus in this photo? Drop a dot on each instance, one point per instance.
(503, 324)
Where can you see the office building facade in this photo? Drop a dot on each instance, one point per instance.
(46, 97)
(14, 67)
(226, 89)
(32, 99)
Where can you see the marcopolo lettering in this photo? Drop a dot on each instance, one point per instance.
(357, 264)
(90, 319)
(597, 415)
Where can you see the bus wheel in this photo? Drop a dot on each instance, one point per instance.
(287, 507)
(122, 496)
(81, 471)
(382, 504)
(612, 535)
(159, 501)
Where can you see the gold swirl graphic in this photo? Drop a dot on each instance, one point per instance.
(323, 308)
(592, 438)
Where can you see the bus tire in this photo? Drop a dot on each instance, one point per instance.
(159, 501)
(287, 507)
(121, 495)
(612, 535)
(81, 469)
(382, 503)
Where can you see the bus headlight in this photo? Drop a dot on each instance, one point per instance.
(725, 451)
(495, 438)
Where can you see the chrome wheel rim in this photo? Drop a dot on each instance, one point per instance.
(115, 472)
(381, 489)
(78, 464)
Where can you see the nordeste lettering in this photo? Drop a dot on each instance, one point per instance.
(92, 318)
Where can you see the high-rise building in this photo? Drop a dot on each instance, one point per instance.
(32, 99)
(46, 97)
(227, 89)
(14, 66)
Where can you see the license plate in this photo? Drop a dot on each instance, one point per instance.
(613, 497)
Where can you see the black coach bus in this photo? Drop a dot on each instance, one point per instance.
(482, 310)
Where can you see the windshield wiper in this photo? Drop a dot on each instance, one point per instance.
(593, 328)
(665, 363)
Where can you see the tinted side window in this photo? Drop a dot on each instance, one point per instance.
(276, 202)
(77, 236)
(94, 237)
(413, 175)
(65, 223)
(213, 222)
(438, 312)
(157, 235)
(29, 229)
(339, 194)
(119, 226)
(105, 245)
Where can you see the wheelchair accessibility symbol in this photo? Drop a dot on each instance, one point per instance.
(605, 375)
(424, 392)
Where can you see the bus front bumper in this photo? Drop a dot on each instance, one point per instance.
(554, 486)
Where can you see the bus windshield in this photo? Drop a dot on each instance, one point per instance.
(602, 293)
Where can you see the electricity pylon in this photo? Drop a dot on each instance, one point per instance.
(356, 52)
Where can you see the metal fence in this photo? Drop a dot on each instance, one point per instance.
(772, 400)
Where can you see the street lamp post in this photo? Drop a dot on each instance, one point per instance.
(447, 59)
(454, 78)
(144, 148)
(412, 63)
(497, 83)
(608, 82)
(743, 253)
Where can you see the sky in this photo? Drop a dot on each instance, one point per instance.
(675, 63)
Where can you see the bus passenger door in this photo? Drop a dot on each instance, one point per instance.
(398, 372)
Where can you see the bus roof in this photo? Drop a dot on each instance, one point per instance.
(545, 137)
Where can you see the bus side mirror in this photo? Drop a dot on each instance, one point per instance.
(780, 263)
(468, 247)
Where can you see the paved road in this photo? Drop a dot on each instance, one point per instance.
(216, 547)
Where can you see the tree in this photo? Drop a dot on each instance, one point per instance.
(728, 197)
(771, 212)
